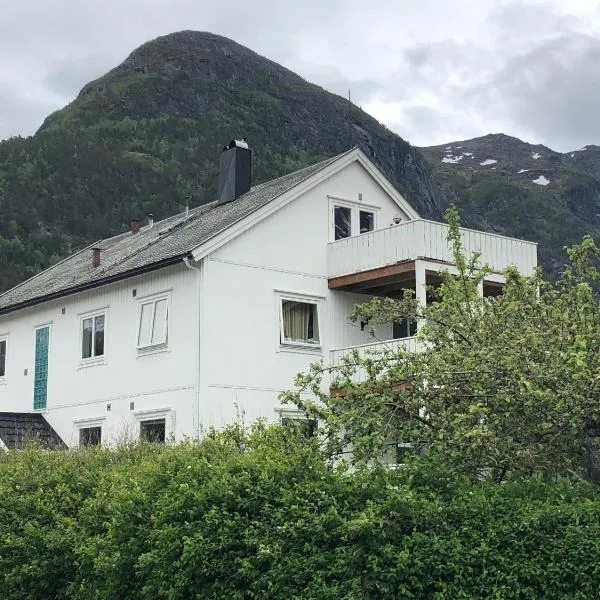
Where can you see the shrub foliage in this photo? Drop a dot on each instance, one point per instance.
(262, 516)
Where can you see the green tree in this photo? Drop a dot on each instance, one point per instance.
(502, 386)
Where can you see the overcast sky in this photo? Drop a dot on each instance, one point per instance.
(431, 70)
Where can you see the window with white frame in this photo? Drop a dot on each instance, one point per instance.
(153, 329)
(92, 336)
(366, 221)
(299, 422)
(342, 219)
(350, 219)
(153, 430)
(3, 345)
(90, 436)
(299, 321)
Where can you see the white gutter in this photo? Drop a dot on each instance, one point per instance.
(196, 407)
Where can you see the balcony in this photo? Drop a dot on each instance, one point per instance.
(365, 350)
(387, 256)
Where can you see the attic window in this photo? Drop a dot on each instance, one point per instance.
(366, 221)
(351, 218)
(342, 216)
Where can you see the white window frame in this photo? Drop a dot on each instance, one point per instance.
(355, 208)
(306, 299)
(4, 338)
(295, 415)
(87, 424)
(145, 302)
(166, 413)
(92, 360)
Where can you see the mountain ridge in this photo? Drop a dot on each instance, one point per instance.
(508, 186)
(145, 137)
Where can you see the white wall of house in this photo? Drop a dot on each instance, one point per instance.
(126, 379)
(243, 364)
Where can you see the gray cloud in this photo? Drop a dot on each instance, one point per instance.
(433, 72)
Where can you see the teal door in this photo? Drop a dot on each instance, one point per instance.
(40, 381)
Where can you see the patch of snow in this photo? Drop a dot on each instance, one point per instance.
(541, 180)
(452, 159)
(459, 147)
(572, 156)
(469, 154)
(489, 161)
(536, 155)
(582, 149)
(448, 147)
(522, 171)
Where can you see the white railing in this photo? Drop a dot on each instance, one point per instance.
(366, 350)
(427, 240)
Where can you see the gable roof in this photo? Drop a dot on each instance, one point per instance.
(17, 428)
(170, 240)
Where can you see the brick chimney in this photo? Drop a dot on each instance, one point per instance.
(95, 257)
(135, 225)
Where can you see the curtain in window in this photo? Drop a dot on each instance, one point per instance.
(299, 322)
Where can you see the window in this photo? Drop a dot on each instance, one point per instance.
(299, 322)
(366, 221)
(404, 328)
(351, 218)
(153, 430)
(153, 328)
(342, 216)
(90, 436)
(92, 337)
(306, 427)
(2, 358)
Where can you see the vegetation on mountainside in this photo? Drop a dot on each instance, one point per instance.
(262, 516)
(503, 387)
(492, 181)
(145, 139)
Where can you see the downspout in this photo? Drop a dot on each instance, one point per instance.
(196, 407)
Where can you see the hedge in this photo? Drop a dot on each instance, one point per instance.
(236, 517)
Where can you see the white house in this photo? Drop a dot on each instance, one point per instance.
(189, 322)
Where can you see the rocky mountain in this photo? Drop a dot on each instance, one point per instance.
(504, 185)
(145, 138)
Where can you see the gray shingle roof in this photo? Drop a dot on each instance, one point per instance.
(17, 428)
(165, 243)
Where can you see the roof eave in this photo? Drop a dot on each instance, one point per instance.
(94, 284)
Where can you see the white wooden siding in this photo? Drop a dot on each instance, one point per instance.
(84, 391)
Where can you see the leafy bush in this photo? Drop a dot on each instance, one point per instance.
(263, 516)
